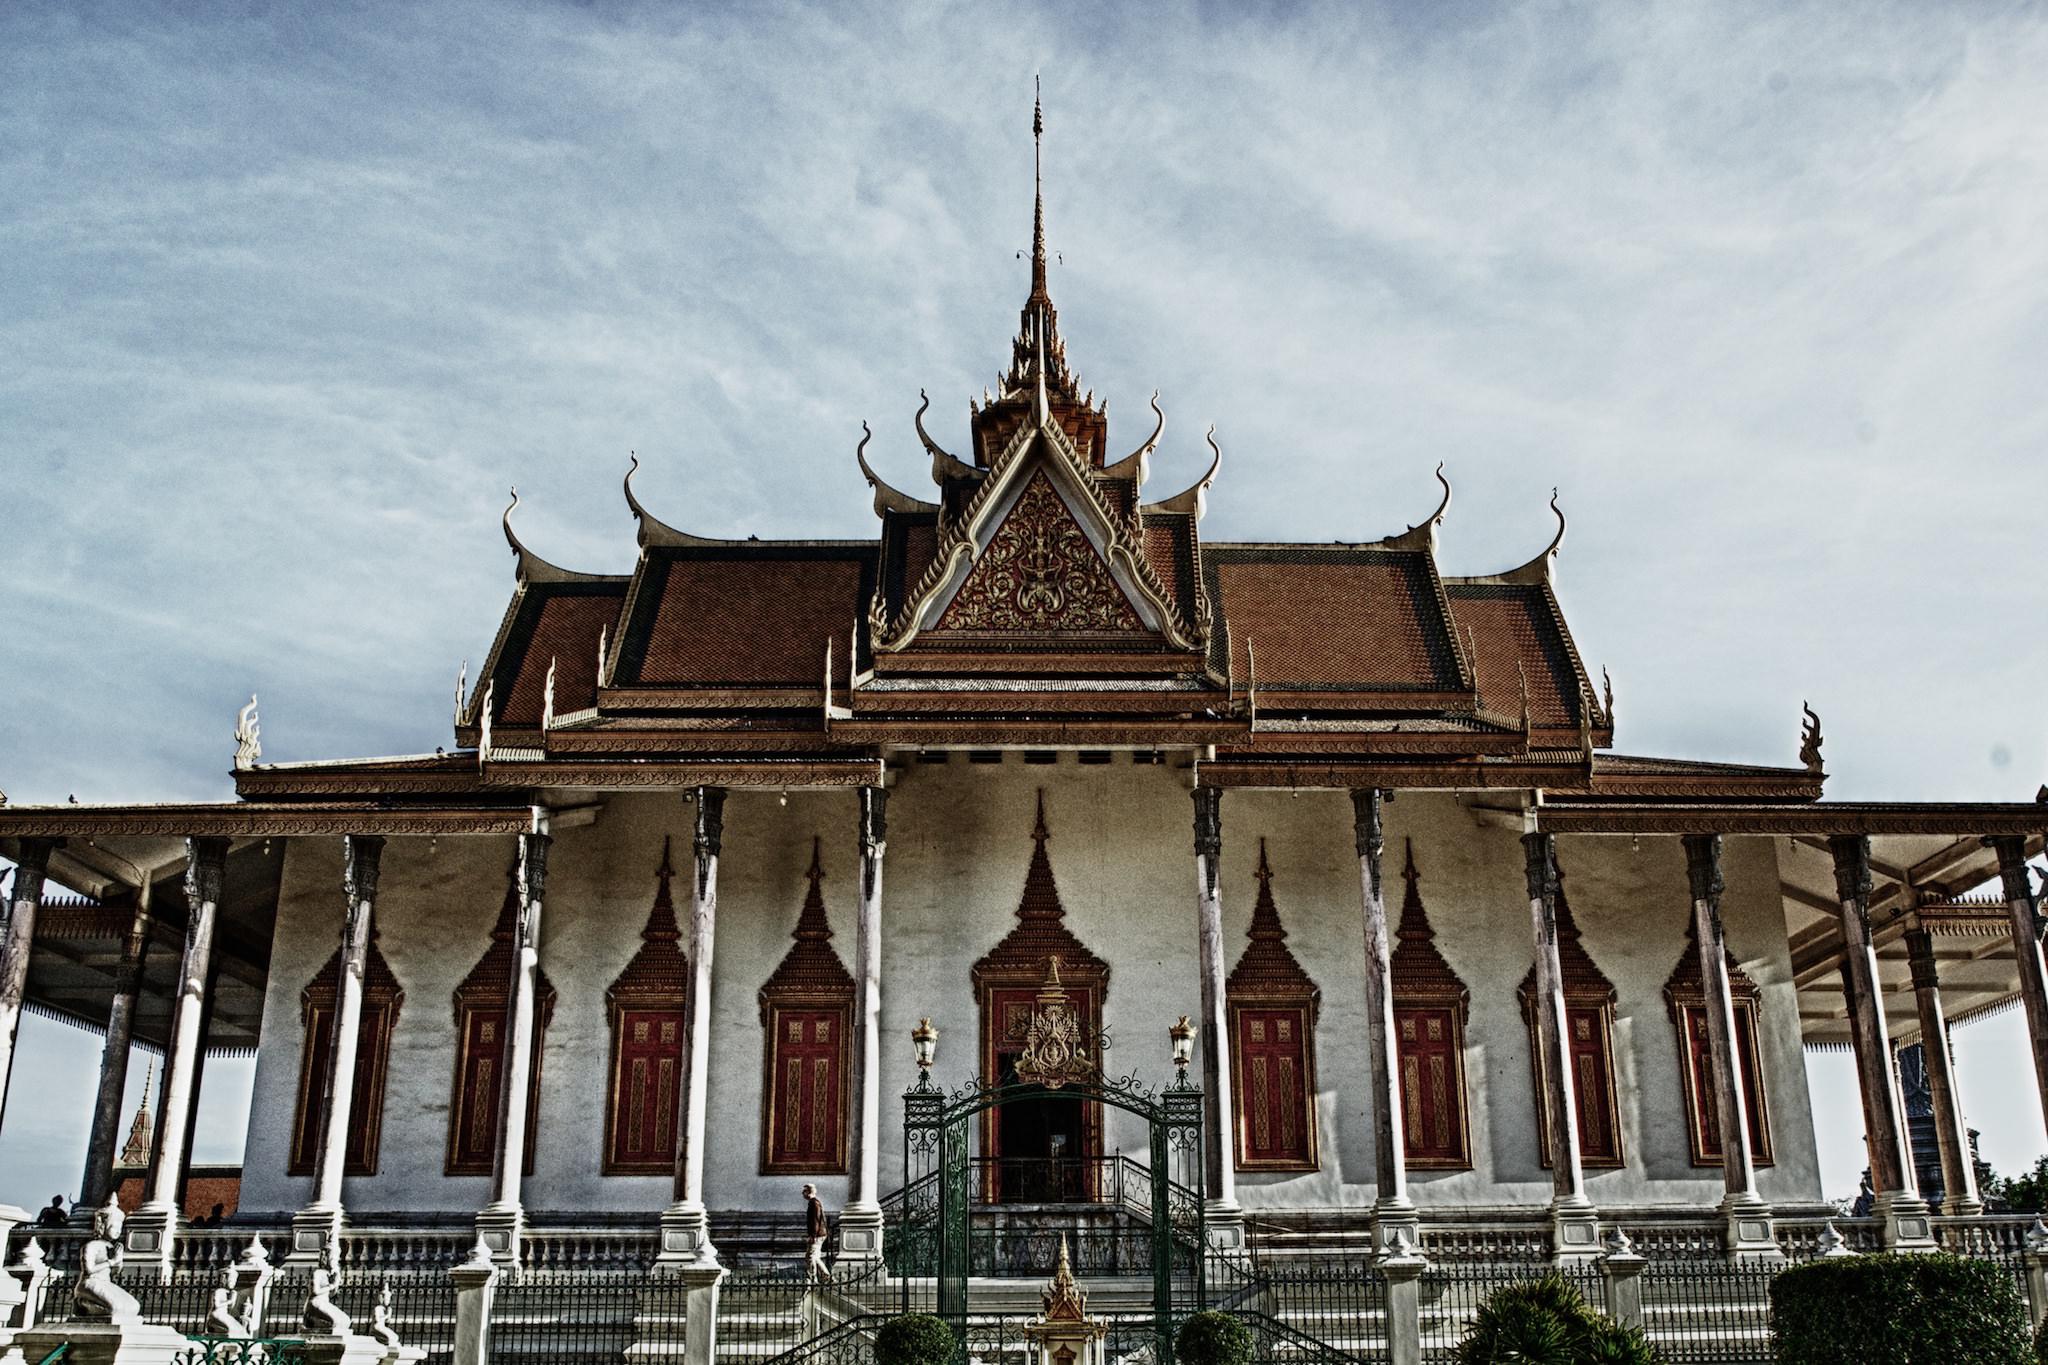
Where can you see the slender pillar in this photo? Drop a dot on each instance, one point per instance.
(1891, 1160)
(1394, 1212)
(860, 1223)
(19, 935)
(1573, 1220)
(98, 1181)
(1219, 1173)
(685, 1233)
(2026, 946)
(319, 1224)
(500, 1223)
(1951, 1133)
(1750, 1235)
(154, 1225)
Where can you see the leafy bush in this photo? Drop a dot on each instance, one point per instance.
(2041, 1343)
(914, 1339)
(1546, 1321)
(1898, 1310)
(1213, 1339)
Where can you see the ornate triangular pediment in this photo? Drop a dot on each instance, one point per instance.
(489, 982)
(1686, 985)
(1268, 970)
(1420, 974)
(1584, 982)
(810, 971)
(659, 973)
(1041, 932)
(1039, 572)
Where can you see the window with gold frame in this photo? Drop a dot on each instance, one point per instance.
(645, 1007)
(806, 1016)
(1272, 1007)
(1685, 994)
(1430, 1009)
(382, 1000)
(1589, 1027)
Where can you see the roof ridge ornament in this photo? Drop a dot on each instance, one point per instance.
(945, 465)
(1138, 464)
(461, 691)
(1194, 499)
(529, 567)
(1810, 742)
(1422, 535)
(887, 498)
(248, 737)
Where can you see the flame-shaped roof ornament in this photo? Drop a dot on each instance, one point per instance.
(1194, 498)
(1138, 464)
(944, 465)
(652, 529)
(530, 567)
(887, 498)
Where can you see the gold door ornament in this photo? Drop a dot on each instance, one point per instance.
(1055, 1048)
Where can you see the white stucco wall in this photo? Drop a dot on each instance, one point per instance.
(959, 843)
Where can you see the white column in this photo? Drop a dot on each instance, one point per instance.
(152, 1228)
(1574, 1223)
(685, 1233)
(500, 1223)
(1951, 1132)
(1394, 1217)
(1218, 1115)
(23, 902)
(1750, 1234)
(320, 1222)
(1891, 1159)
(2026, 947)
(860, 1223)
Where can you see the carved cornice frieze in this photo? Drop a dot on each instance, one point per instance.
(737, 773)
(1955, 820)
(248, 821)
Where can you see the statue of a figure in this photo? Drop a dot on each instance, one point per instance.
(323, 1317)
(380, 1317)
(223, 1319)
(96, 1295)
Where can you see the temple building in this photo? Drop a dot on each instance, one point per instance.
(1035, 763)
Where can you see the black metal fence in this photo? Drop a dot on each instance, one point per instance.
(586, 1318)
(1700, 1312)
(1451, 1293)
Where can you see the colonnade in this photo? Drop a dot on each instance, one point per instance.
(685, 1234)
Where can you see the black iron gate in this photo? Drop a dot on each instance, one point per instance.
(931, 1237)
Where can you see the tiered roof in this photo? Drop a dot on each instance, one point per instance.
(1038, 599)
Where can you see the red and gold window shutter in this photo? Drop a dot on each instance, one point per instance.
(1276, 1100)
(381, 1001)
(1429, 1043)
(1589, 1032)
(482, 1004)
(806, 1101)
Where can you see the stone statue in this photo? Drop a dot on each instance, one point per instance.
(223, 1319)
(380, 1318)
(96, 1295)
(323, 1317)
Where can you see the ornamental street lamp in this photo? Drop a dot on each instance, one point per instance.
(924, 1038)
(1182, 1034)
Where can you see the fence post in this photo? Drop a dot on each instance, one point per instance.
(31, 1271)
(700, 1312)
(1402, 1266)
(475, 1281)
(1621, 1265)
(2036, 1258)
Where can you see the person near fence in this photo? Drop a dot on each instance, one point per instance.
(815, 1230)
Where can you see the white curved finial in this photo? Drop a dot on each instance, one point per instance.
(506, 522)
(547, 698)
(1557, 542)
(248, 737)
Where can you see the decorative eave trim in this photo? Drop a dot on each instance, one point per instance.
(1297, 773)
(236, 820)
(1954, 819)
(631, 774)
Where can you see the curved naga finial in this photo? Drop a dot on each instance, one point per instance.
(1810, 741)
(506, 521)
(1557, 542)
(1195, 498)
(1422, 535)
(944, 465)
(653, 530)
(248, 737)
(1138, 464)
(887, 499)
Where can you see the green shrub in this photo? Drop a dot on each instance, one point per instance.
(1898, 1310)
(1546, 1321)
(914, 1339)
(2041, 1343)
(1213, 1339)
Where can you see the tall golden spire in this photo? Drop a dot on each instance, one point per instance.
(1038, 285)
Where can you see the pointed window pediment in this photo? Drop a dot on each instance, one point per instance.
(1430, 1008)
(482, 1016)
(807, 1011)
(1686, 994)
(382, 999)
(648, 1023)
(1272, 1004)
(1589, 1026)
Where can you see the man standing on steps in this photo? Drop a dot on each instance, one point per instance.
(814, 1229)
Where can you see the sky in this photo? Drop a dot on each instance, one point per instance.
(290, 296)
